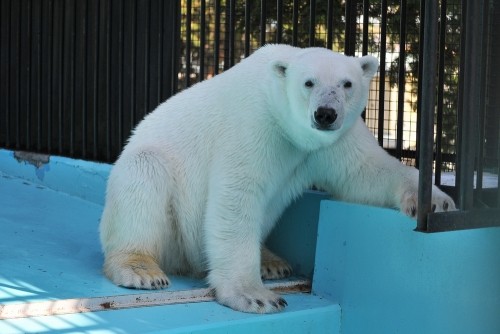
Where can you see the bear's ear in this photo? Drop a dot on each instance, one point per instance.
(369, 65)
(279, 68)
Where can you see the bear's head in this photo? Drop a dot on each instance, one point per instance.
(326, 93)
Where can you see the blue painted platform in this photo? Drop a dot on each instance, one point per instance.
(370, 272)
(50, 254)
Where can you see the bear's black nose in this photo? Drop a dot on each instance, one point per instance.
(325, 117)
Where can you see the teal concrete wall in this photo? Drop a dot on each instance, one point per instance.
(390, 279)
(80, 178)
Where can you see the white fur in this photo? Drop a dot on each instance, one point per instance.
(205, 176)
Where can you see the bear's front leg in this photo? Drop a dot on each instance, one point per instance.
(232, 242)
(363, 172)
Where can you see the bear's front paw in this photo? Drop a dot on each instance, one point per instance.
(440, 202)
(136, 271)
(251, 300)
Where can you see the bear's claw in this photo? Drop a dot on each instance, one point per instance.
(441, 202)
(256, 300)
(272, 266)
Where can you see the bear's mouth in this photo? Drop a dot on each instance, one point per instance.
(320, 127)
(324, 127)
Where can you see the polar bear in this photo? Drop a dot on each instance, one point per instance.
(206, 175)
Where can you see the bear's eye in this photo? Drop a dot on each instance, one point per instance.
(309, 84)
(347, 84)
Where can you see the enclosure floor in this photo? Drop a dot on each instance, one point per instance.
(50, 246)
(50, 252)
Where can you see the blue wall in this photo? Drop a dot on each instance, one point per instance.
(390, 279)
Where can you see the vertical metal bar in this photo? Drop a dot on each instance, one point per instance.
(401, 80)
(106, 66)
(494, 98)
(75, 125)
(440, 99)
(381, 92)
(217, 36)
(68, 116)
(366, 14)
(24, 77)
(104, 80)
(329, 25)
(460, 105)
(5, 26)
(232, 35)
(279, 21)
(71, 84)
(50, 64)
(45, 74)
(481, 114)
(188, 42)
(173, 41)
(495, 82)
(14, 71)
(248, 9)
(203, 22)
(471, 91)
(295, 23)
(347, 29)
(36, 81)
(153, 66)
(350, 29)
(428, 104)
(18, 68)
(312, 22)
(80, 76)
(263, 18)
(170, 47)
(167, 19)
(58, 63)
(92, 65)
(226, 34)
(154, 55)
(129, 62)
(498, 162)
(117, 49)
(420, 82)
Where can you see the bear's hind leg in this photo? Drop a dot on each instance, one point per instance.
(137, 232)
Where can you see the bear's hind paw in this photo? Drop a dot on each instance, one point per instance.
(135, 271)
(273, 267)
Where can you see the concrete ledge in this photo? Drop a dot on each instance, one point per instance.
(79, 178)
(389, 279)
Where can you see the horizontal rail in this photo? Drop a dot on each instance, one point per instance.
(461, 220)
(93, 304)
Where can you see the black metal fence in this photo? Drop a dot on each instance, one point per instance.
(77, 75)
